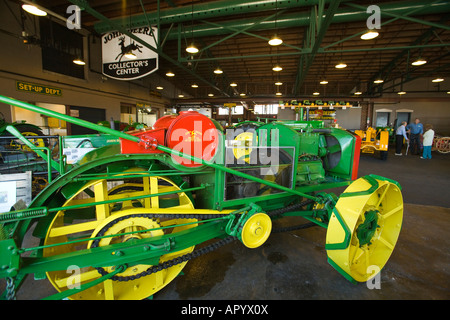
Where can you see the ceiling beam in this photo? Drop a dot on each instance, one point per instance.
(302, 19)
(323, 23)
(208, 10)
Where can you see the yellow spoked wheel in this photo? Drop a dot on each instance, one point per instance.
(364, 227)
(21, 146)
(127, 216)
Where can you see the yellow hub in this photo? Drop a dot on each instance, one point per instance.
(87, 222)
(256, 230)
(245, 141)
(371, 211)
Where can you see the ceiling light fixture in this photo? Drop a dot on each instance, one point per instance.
(358, 93)
(277, 68)
(159, 88)
(218, 71)
(130, 55)
(242, 94)
(323, 82)
(401, 92)
(340, 65)
(369, 35)
(316, 93)
(192, 49)
(437, 80)
(233, 84)
(79, 61)
(180, 96)
(194, 85)
(278, 94)
(170, 74)
(419, 62)
(34, 10)
(278, 83)
(275, 41)
(210, 95)
(378, 81)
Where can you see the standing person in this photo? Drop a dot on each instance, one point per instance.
(428, 137)
(416, 131)
(399, 135)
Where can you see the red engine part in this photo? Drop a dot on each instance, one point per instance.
(356, 157)
(195, 134)
(150, 138)
(190, 132)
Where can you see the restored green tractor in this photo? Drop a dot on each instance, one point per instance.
(124, 221)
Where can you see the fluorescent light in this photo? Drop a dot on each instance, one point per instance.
(34, 10)
(340, 65)
(275, 41)
(323, 82)
(192, 49)
(218, 71)
(170, 74)
(379, 81)
(437, 80)
(277, 68)
(370, 34)
(233, 84)
(419, 62)
(401, 92)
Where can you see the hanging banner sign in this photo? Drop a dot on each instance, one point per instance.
(126, 59)
(322, 114)
(317, 103)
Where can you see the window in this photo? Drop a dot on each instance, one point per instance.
(235, 110)
(383, 119)
(266, 109)
(60, 46)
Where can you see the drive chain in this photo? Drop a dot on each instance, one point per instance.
(189, 256)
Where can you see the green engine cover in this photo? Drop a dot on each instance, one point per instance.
(310, 172)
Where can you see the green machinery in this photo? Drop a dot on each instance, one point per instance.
(124, 221)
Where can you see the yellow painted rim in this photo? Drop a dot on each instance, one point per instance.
(256, 230)
(61, 231)
(361, 261)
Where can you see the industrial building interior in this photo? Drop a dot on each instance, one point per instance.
(348, 66)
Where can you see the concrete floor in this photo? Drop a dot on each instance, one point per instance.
(293, 265)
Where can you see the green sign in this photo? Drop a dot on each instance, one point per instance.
(37, 88)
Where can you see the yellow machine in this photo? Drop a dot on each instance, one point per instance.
(374, 140)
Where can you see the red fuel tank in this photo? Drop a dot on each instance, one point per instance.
(189, 132)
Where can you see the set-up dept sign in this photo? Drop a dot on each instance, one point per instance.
(116, 46)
